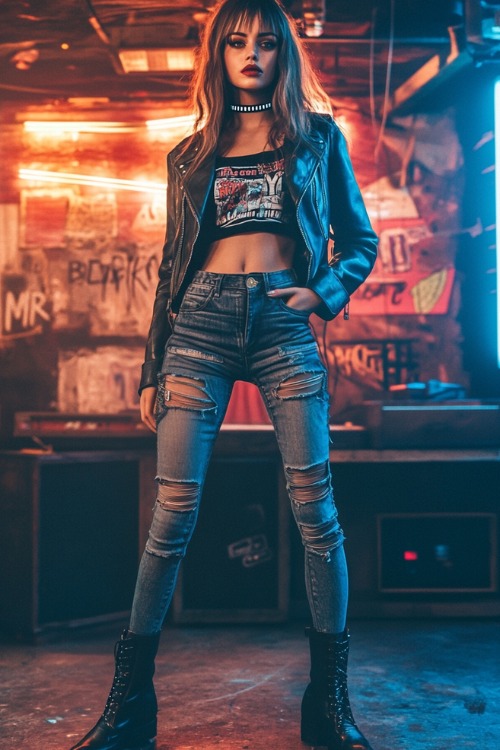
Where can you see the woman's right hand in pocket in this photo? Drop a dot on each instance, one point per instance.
(148, 407)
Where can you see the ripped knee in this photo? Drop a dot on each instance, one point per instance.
(180, 496)
(310, 491)
(310, 484)
(182, 392)
(300, 385)
(174, 518)
(323, 539)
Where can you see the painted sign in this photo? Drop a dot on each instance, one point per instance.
(24, 310)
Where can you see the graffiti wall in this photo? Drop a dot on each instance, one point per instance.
(403, 320)
(81, 234)
(82, 227)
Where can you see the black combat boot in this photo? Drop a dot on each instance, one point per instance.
(128, 721)
(326, 713)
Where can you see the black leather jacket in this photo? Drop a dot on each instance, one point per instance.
(323, 187)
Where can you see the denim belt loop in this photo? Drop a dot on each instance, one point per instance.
(268, 282)
(270, 277)
(217, 285)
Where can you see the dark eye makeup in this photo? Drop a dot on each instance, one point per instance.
(267, 43)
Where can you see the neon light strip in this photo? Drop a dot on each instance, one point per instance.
(39, 175)
(55, 127)
(497, 206)
(448, 407)
(70, 126)
(171, 122)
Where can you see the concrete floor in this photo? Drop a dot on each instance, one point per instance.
(414, 685)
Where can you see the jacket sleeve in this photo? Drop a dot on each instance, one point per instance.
(160, 328)
(355, 248)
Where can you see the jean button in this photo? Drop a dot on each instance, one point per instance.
(251, 282)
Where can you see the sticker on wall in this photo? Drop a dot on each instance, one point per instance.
(413, 273)
(103, 380)
(94, 215)
(384, 200)
(43, 216)
(411, 293)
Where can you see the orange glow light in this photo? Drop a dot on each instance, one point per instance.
(111, 183)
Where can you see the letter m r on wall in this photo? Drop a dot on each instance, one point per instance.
(22, 310)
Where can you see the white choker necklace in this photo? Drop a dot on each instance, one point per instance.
(251, 107)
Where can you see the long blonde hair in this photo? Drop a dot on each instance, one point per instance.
(297, 91)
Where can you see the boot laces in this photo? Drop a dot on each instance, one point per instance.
(123, 668)
(337, 693)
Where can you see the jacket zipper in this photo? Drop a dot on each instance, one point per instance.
(185, 197)
(325, 235)
(181, 242)
(299, 224)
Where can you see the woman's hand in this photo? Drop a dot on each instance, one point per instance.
(148, 407)
(298, 297)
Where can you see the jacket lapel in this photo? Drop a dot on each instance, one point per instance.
(301, 162)
(197, 186)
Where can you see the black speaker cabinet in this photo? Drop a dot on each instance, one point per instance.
(421, 532)
(437, 552)
(69, 538)
(236, 567)
(461, 424)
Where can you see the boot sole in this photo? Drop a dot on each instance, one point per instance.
(316, 738)
(312, 726)
(312, 735)
(149, 745)
(144, 740)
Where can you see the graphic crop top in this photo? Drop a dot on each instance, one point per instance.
(249, 195)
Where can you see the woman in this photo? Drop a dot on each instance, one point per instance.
(251, 198)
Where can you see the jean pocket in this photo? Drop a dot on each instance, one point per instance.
(301, 313)
(196, 297)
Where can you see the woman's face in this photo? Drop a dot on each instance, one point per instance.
(250, 57)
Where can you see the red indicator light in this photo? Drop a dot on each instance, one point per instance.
(410, 555)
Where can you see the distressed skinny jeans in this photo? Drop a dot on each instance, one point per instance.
(228, 329)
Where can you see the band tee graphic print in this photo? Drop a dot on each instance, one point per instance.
(246, 193)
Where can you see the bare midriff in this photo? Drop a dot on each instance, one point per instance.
(255, 252)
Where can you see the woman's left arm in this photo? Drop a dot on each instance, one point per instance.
(355, 241)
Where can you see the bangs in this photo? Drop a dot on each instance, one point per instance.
(243, 14)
